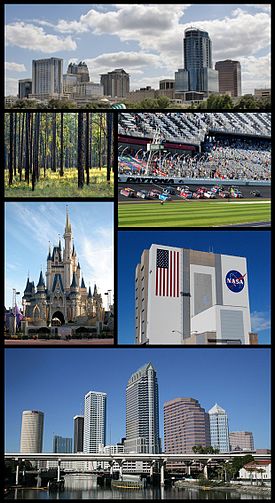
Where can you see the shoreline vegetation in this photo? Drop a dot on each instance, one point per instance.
(182, 484)
(57, 154)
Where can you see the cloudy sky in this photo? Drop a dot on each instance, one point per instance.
(144, 39)
(30, 226)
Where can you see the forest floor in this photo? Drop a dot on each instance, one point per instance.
(54, 185)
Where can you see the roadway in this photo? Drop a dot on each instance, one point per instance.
(264, 190)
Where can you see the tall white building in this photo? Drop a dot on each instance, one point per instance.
(94, 422)
(186, 296)
(142, 412)
(47, 77)
(32, 431)
(219, 433)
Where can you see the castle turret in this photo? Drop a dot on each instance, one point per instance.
(49, 268)
(67, 253)
(41, 283)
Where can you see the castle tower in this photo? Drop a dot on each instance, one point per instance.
(49, 266)
(67, 254)
(41, 298)
(75, 297)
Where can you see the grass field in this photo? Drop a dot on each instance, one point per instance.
(193, 213)
(54, 185)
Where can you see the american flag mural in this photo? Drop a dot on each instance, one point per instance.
(167, 273)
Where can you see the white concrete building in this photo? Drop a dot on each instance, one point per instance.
(191, 297)
(32, 431)
(256, 471)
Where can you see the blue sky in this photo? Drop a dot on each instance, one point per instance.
(56, 380)
(30, 226)
(254, 245)
(141, 38)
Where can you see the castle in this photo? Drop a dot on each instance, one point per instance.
(64, 298)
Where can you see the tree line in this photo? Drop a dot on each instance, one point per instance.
(39, 141)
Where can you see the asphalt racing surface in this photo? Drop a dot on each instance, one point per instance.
(264, 190)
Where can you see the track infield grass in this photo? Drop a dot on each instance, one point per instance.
(193, 213)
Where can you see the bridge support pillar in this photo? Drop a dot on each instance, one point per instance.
(38, 484)
(162, 468)
(205, 472)
(111, 464)
(152, 468)
(17, 473)
(120, 462)
(58, 470)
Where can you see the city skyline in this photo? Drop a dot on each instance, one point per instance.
(26, 252)
(131, 246)
(61, 399)
(127, 36)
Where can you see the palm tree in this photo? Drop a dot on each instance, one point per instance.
(261, 471)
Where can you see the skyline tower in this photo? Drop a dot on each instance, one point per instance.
(187, 296)
(241, 441)
(62, 444)
(186, 424)
(32, 428)
(142, 412)
(78, 433)
(94, 421)
(219, 428)
(47, 77)
(229, 77)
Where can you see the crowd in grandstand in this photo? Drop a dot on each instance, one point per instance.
(222, 156)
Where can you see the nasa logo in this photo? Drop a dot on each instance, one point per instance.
(235, 281)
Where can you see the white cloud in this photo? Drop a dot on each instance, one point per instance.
(262, 6)
(260, 321)
(28, 36)
(11, 86)
(255, 72)
(132, 62)
(15, 67)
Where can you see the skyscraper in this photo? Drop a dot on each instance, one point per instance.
(219, 428)
(198, 74)
(191, 297)
(62, 444)
(229, 77)
(142, 412)
(94, 421)
(78, 433)
(47, 77)
(115, 83)
(32, 431)
(186, 424)
(241, 441)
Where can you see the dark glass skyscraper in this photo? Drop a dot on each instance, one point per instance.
(198, 74)
(142, 412)
(78, 433)
(62, 444)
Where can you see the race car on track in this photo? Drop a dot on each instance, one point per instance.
(128, 192)
(183, 187)
(216, 189)
(169, 190)
(235, 192)
(144, 194)
(164, 197)
(186, 194)
(255, 193)
(224, 194)
(154, 193)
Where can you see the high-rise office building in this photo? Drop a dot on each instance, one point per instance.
(24, 88)
(219, 428)
(32, 431)
(197, 74)
(47, 77)
(229, 77)
(80, 70)
(78, 433)
(241, 441)
(94, 421)
(116, 83)
(191, 297)
(62, 444)
(142, 412)
(186, 424)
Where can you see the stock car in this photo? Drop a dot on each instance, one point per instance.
(255, 193)
(144, 194)
(128, 192)
(186, 194)
(216, 189)
(183, 187)
(169, 190)
(154, 193)
(235, 192)
(224, 194)
(203, 193)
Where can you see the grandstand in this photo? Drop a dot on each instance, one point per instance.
(227, 146)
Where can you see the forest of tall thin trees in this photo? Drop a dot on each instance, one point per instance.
(36, 142)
